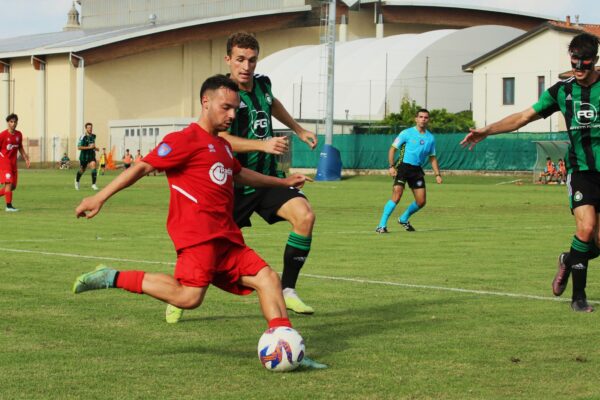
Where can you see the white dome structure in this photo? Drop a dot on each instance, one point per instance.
(426, 67)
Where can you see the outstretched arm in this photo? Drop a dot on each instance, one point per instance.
(285, 118)
(275, 145)
(255, 179)
(507, 124)
(90, 206)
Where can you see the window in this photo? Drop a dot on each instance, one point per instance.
(138, 132)
(541, 85)
(144, 132)
(508, 91)
(126, 132)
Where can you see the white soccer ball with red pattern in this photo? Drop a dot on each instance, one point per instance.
(281, 349)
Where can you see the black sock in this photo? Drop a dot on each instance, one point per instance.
(79, 173)
(294, 257)
(594, 251)
(94, 176)
(577, 260)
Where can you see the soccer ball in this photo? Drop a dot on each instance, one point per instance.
(281, 349)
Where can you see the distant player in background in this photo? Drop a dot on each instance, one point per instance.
(201, 171)
(103, 161)
(416, 145)
(138, 157)
(562, 171)
(578, 98)
(549, 172)
(252, 140)
(11, 142)
(127, 159)
(87, 155)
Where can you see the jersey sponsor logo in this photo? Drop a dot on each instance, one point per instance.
(585, 113)
(260, 124)
(9, 147)
(164, 149)
(218, 173)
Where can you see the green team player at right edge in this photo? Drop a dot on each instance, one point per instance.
(578, 98)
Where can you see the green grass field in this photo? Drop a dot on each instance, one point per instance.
(460, 309)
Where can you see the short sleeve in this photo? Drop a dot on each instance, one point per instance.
(400, 140)
(547, 104)
(173, 152)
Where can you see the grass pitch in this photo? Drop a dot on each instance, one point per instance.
(460, 309)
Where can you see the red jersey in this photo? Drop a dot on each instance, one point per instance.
(9, 148)
(200, 169)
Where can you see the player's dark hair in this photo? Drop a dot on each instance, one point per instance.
(242, 40)
(88, 124)
(422, 110)
(584, 44)
(218, 81)
(12, 116)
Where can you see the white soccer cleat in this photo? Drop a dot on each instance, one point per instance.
(76, 185)
(11, 209)
(94, 187)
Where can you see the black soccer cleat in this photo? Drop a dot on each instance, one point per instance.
(559, 284)
(407, 226)
(581, 305)
(381, 229)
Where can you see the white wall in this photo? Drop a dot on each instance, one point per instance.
(542, 55)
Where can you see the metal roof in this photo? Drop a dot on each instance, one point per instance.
(79, 40)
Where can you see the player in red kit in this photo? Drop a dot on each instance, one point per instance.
(11, 142)
(201, 172)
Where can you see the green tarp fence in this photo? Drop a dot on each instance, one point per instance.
(506, 152)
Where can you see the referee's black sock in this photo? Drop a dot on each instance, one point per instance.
(94, 176)
(294, 257)
(577, 260)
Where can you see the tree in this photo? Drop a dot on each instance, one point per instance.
(441, 121)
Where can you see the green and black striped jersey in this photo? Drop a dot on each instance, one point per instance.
(580, 107)
(253, 121)
(87, 155)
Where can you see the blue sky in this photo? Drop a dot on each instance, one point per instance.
(26, 17)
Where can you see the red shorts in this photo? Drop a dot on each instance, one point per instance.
(219, 262)
(9, 176)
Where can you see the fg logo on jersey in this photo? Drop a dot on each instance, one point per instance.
(585, 113)
(260, 124)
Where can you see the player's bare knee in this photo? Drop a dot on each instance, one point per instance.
(422, 203)
(268, 278)
(585, 232)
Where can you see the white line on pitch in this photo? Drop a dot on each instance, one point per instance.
(323, 277)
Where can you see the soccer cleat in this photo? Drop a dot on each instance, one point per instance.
(94, 187)
(407, 226)
(559, 284)
(76, 185)
(293, 302)
(581, 305)
(173, 314)
(381, 229)
(310, 363)
(100, 278)
(11, 209)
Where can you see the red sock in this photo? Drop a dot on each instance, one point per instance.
(130, 281)
(8, 197)
(277, 322)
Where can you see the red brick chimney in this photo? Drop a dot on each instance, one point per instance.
(568, 20)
